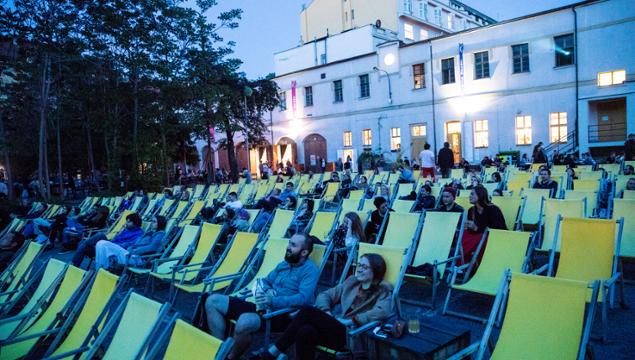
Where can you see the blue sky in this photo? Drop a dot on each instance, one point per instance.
(269, 26)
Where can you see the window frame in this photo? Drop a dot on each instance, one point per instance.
(408, 29)
(481, 65)
(282, 101)
(558, 127)
(558, 56)
(419, 76)
(367, 141)
(418, 125)
(347, 138)
(451, 76)
(612, 74)
(395, 139)
(524, 130)
(338, 91)
(479, 132)
(308, 95)
(364, 86)
(523, 58)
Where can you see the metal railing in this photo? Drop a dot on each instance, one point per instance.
(607, 132)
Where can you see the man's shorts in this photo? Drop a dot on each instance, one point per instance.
(237, 307)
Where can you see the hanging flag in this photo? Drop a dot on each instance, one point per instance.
(212, 133)
(293, 97)
(461, 65)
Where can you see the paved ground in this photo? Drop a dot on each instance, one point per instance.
(620, 344)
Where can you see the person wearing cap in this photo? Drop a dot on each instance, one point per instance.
(448, 204)
(376, 219)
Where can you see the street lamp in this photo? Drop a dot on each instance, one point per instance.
(247, 91)
(389, 86)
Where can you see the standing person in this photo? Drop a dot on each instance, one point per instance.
(446, 160)
(629, 148)
(339, 166)
(539, 154)
(426, 156)
(323, 164)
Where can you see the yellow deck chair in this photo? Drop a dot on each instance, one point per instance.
(533, 201)
(628, 195)
(611, 168)
(504, 250)
(234, 257)
(620, 182)
(590, 175)
(355, 195)
(551, 209)
(274, 251)
(186, 341)
(516, 186)
(194, 210)
(491, 187)
(165, 208)
(512, 208)
(401, 230)
(246, 193)
(52, 275)
(200, 252)
(402, 206)
(404, 189)
(350, 204)
(544, 319)
(521, 177)
(198, 191)
(368, 206)
(280, 223)
(14, 277)
(118, 225)
(136, 203)
(117, 202)
(322, 224)
(149, 208)
(17, 345)
(331, 191)
(463, 202)
(98, 297)
(586, 185)
(536, 166)
(180, 210)
(457, 174)
(164, 264)
(133, 323)
(625, 208)
(590, 196)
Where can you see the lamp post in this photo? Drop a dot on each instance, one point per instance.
(247, 91)
(389, 86)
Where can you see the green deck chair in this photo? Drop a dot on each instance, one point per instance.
(165, 208)
(16, 274)
(626, 209)
(86, 313)
(544, 319)
(52, 275)
(246, 193)
(587, 185)
(350, 205)
(198, 191)
(435, 242)
(533, 201)
(134, 322)
(198, 250)
(504, 250)
(118, 225)
(330, 192)
(186, 341)
(402, 206)
(150, 208)
(590, 196)
(280, 223)
(322, 224)
(180, 210)
(368, 206)
(551, 208)
(512, 208)
(274, 250)
(23, 339)
(401, 230)
(194, 210)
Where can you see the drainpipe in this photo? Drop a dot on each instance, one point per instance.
(434, 116)
(577, 82)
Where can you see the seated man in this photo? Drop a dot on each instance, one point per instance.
(125, 238)
(448, 204)
(233, 202)
(291, 284)
(425, 200)
(288, 191)
(546, 182)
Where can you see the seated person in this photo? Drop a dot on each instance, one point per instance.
(125, 238)
(376, 219)
(630, 185)
(496, 178)
(109, 254)
(94, 219)
(406, 175)
(268, 205)
(288, 191)
(233, 202)
(383, 191)
(497, 192)
(361, 184)
(628, 170)
(482, 215)
(475, 181)
(290, 203)
(299, 223)
(350, 232)
(546, 182)
(291, 284)
(362, 298)
(448, 204)
(425, 200)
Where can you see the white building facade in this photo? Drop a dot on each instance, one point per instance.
(562, 77)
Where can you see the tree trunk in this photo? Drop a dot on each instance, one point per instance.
(231, 156)
(60, 173)
(43, 103)
(164, 154)
(210, 157)
(7, 159)
(135, 126)
(89, 144)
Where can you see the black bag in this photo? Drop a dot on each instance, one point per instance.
(422, 270)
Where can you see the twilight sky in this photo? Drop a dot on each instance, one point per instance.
(270, 26)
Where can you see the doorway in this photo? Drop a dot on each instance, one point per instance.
(314, 152)
(453, 136)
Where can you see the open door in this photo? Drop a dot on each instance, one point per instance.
(453, 136)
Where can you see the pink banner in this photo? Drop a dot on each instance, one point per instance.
(293, 97)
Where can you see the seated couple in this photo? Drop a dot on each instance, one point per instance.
(362, 298)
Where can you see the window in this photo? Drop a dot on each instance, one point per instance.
(308, 96)
(558, 127)
(564, 49)
(523, 130)
(520, 58)
(338, 94)
(423, 34)
(367, 137)
(418, 76)
(450, 23)
(395, 139)
(408, 32)
(418, 130)
(352, 14)
(283, 101)
(348, 138)
(481, 65)
(481, 134)
(437, 16)
(364, 86)
(447, 70)
(611, 78)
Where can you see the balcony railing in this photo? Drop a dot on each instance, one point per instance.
(607, 132)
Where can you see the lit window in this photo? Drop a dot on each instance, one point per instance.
(564, 49)
(481, 65)
(418, 75)
(481, 134)
(283, 101)
(523, 130)
(447, 71)
(364, 86)
(338, 94)
(418, 130)
(423, 34)
(395, 139)
(408, 31)
(367, 137)
(348, 138)
(558, 127)
(308, 96)
(611, 78)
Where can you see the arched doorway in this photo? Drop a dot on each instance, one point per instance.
(261, 153)
(314, 152)
(242, 156)
(286, 150)
(223, 158)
